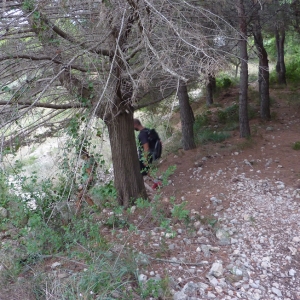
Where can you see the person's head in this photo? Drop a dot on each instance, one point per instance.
(137, 125)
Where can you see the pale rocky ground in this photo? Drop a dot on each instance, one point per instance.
(253, 252)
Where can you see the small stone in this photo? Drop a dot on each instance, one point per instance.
(276, 291)
(54, 265)
(293, 250)
(197, 225)
(292, 272)
(165, 200)
(62, 275)
(233, 278)
(266, 262)
(247, 217)
(218, 289)
(265, 265)
(216, 269)
(233, 241)
(205, 250)
(214, 249)
(237, 271)
(171, 246)
(219, 208)
(215, 200)
(142, 278)
(210, 295)
(200, 232)
(222, 234)
(256, 296)
(169, 235)
(180, 296)
(3, 213)
(203, 286)
(296, 239)
(132, 209)
(212, 280)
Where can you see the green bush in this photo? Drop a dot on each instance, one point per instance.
(4, 190)
(222, 116)
(223, 82)
(229, 114)
(296, 145)
(232, 113)
(106, 194)
(293, 70)
(209, 135)
(202, 120)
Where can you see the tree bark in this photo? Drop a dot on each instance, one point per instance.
(210, 89)
(243, 97)
(263, 72)
(187, 117)
(280, 65)
(127, 177)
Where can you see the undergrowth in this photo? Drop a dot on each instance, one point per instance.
(46, 233)
(296, 145)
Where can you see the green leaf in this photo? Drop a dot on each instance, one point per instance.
(5, 89)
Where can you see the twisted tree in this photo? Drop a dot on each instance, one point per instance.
(100, 59)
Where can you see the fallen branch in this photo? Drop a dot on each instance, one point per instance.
(176, 262)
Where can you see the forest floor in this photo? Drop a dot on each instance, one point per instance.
(242, 240)
(251, 189)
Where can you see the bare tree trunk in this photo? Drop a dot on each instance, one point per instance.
(243, 98)
(210, 89)
(187, 117)
(237, 69)
(280, 65)
(263, 72)
(127, 177)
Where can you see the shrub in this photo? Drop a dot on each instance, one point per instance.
(296, 145)
(293, 70)
(106, 194)
(223, 82)
(201, 120)
(209, 135)
(232, 113)
(222, 116)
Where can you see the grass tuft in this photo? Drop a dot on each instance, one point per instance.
(208, 135)
(296, 145)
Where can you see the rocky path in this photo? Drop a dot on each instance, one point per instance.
(253, 251)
